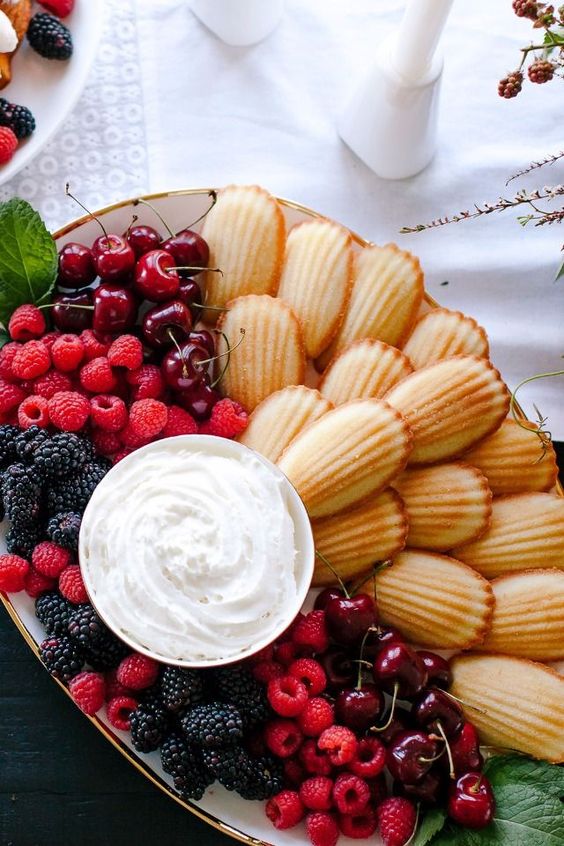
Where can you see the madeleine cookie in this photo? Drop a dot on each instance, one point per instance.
(513, 460)
(386, 294)
(363, 370)
(447, 504)
(19, 15)
(271, 353)
(450, 406)
(346, 455)
(528, 619)
(441, 334)
(245, 232)
(316, 279)
(434, 600)
(526, 532)
(518, 704)
(277, 420)
(354, 540)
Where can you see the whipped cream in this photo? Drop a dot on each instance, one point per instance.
(8, 36)
(196, 550)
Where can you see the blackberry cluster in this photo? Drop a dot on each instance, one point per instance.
(64, 529)
(53, 610)
(107, 653)
(181, 689)
(213, 725)
(239, 687)
(17, 118)
(28, 441)
(22, 540)
(8, 435)
(21, 495)
(252, 778)
(63, 657)
(73, 493)
(85, 626)
(149, 724)
(61, 455)
(186, 766)
(49, 37)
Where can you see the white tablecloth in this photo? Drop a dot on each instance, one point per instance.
(208, 114)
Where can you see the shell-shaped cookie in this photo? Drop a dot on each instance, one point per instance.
(316, 279)
(385, 298)
(277, 420)
(245, 232)
(526, 532)
(349, 453)
(514, 461)
(450, 406)
(442, 333)
(271, 354)
(353, 540)
(528, 619)
(434, 600)
(364, 369)
(513, 702)
(447, 504)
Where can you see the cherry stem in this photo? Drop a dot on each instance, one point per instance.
(134, 219)
(412, 835)
(199, 269)
(436, 758)
(476, 788)
(218, 379)
(67, 305)
(376, 569)
(452, 774)
(211, 308)
(360, 662)
(388, 722)
(170, 334)
(337, 576)
(213, 195)
(88, 212)
(159, 215)
(466, 704)
(229, 349)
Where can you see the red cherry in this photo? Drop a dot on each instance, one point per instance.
(399, 664)
(155, 278)
(326, 594)
(411, 755)
(401, 721)
(189, 292)
(465, 751)
(115, 309)
(204, 339)
(69, 319)
(113, 258)
(165, 320)
(430, 789)
(359, 708)
(433, 708)
(471, 801)
(188, 250)
(181, 366)
(199, 400)
(142, 239)
(381, 636)
(438, 669)
(339, 667)
(348, 618)
(76, 266)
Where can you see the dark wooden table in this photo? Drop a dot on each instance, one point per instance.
(61, 783)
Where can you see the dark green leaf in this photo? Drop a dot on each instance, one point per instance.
(28, 258)
(560, 273)
(430, 824)
(4, 337)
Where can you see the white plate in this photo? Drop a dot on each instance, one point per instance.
(51, 88)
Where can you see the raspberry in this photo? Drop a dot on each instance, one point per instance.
(97, 376)
(317, 793)
(510, 85)
(61, 8)
(358, 826)
(322, 829)
(351, 793)
(126, 351)
(317, 715)
(36, 583)
(312, 631)
(33, 411)
(123, 453)
(10, 396)
(147, 382)
(26, 323)
(310, 673)
(69, 410)
(113, 687)
(87, 690)
(282, 737)
(105, 443)
(13, 571)
(67, 353)
(541, 71)
(396, 820)
(340, 743)
(294, 773)
(51, 383)
(265, 671)
(71, 585)
(94, 345)
(50, 338)
(285, 810)
(179, 422)
(8, 144)
(7, 355)
(120, 709)
(526, 9)
(370, 758)
(31, 360)
(287, 696)
(147, 417)
(50, 559)
(132, 439)
(108, 412)
(286, 653)
(314, 760)
(228, 419)
(137, 671)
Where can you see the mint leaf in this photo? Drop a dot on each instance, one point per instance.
(529, 807)
(431, 823)
(28, 258)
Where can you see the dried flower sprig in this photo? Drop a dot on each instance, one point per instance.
(543, 434)
(552, 158)
(547, 57)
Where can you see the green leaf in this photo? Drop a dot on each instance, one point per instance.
(560, 273)
(431, 823)
(529, 808)
(28, 258)
(4, 337)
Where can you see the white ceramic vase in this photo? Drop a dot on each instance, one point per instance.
(239, 23)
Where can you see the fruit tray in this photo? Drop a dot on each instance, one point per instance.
(226, 811)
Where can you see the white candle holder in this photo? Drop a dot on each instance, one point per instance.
(239, 23)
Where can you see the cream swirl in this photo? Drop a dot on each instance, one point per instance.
(190, 550)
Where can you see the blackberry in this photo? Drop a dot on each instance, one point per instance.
(510, 85)
(541, 71)
(64, 528)
(265, 778)
(49, 37)
(62, 455)
(214, 725)
(21, 495)
(237, 686)
(28, 442)
(185, 764)
(52, 610)
(63, 658)
(181, 689)
(85, 626)
(229, 766)
(8, 435)
(107, 653)
(149, 724)
(73, 493)
(18, 118)
(22, 540)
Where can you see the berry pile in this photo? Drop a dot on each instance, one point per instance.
(366, 729)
